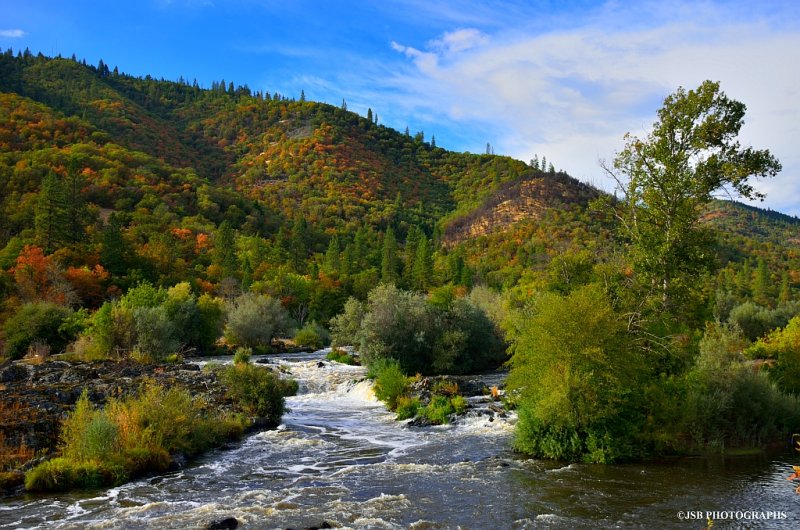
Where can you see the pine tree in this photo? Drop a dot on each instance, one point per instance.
(423, 265)
(785, 293)
(51, 215)
(331, 263)
(409, 252)
(389, 262)
(346, 266)
(299, 244)
(75, 206)
(114, 250)
(760, 287)
(360, 249)
(369, 114)
(225, 250)
(302, 95)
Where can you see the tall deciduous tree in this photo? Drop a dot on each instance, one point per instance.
(666, 178)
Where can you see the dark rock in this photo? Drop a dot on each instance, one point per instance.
(35, 398)
(190, 367)
(14, 372)
(228, 523)
(78, 374)
(320, 364)
(179, 461)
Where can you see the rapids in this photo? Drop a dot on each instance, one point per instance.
(339, 457)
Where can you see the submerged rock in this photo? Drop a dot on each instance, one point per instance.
(228, 523)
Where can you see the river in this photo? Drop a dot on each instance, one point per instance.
(339, 457)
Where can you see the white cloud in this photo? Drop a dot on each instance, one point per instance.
(459, 41)
(572, 94)
(11, 33)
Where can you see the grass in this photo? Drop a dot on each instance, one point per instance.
(104, 447)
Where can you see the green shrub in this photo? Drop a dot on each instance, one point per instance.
(253, 320)
(578, 377)
(407, 407)
(459, 404)
(312, 335)
(783, 346)
(257, 390)
(242, 355)
(438, 410)
(341, 356)
(439, 336)
(101, 447)
(211, 320)
(37, 322)
(156, 334)
(441, 407)
(390, 381)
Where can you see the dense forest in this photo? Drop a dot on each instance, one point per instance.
(154, 219)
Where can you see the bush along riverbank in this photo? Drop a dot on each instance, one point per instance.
(70, 425)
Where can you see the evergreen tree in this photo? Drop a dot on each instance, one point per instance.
(409, 252)
(331, 264)
(51, 217)
(225, 250)
(75, 206)
(785, 293)
(423, 265)
(279, 246)
(346, 266)
(114, 250)
(299, 243)
(360, 249)
(302, 95)
(761, 287)
(369, 114)
(389, 261)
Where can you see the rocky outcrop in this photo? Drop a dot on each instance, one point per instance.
(34, 398)
(528, 198)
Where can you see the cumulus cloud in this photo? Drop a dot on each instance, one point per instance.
(11, 33)
(572, 94)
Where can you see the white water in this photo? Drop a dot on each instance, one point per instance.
(340, 457)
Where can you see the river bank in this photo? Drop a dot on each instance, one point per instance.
(340, 457)
(36, 397)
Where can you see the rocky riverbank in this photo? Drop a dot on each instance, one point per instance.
(34, 398)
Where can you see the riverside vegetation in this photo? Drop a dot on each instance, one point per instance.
(146, 219)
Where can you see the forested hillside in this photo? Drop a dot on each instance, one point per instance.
(137, 176)
(148, 218)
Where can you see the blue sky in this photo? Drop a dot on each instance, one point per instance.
(561, 79)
